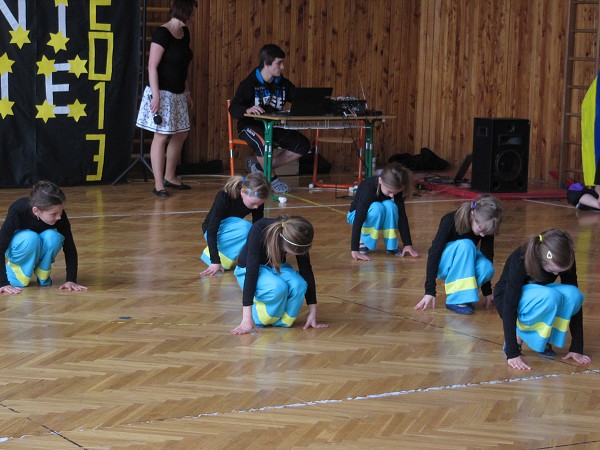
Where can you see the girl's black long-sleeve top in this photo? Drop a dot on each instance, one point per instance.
(365, 195)
(254, 254)
(447, 233)
(223, 207)
(21, 217)
(507, 294)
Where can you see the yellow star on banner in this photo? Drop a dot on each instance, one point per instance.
(76, 110)
(58, 41)
(46, 66)
(77, 66)
(19, 37)
(5, 64)
(61, 2)
(6, 107)
(45, 111)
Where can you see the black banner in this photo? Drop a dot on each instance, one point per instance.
(68, 90)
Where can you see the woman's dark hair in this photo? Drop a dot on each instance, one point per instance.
(183, 9)
(45, 195)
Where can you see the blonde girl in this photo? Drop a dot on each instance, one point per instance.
(225, 228)
(378, 207)
(273, 292)
(536, 310)
(454, 256)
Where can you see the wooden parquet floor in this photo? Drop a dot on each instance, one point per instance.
(145, 358)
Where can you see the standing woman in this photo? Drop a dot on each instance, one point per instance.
(273, 292)
(454, 256)
(225, 228)
(34, 231)
(536, 310)
(378, 206)
(166, 102)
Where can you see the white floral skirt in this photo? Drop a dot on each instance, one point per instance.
(173, 111)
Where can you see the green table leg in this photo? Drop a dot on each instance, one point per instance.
(369, 149)
(268, 156)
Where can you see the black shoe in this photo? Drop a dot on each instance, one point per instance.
(460, 309)
(179, 187)
(548, 352)
(162, 193)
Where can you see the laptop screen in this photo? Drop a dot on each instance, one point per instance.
(311, 101)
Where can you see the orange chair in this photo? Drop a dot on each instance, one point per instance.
(338, 140)
(232, 142)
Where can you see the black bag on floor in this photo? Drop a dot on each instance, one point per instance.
(426, 160)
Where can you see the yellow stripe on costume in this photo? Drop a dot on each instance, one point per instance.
(42, 274)
(391, 233)
(288, 320)
(561, 324)
(23, 279)
(263, 315)
(463, 284)
(371, 232)
(540, 328)
(225, 261)
(588, 144)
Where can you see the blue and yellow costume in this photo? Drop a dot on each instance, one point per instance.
(225, 229)
(30, 246)
(371, 213)
(454, 258)
(538, 311)
(275, 297)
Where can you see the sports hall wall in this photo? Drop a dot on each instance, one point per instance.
(435, 64)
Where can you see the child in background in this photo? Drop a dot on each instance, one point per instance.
(536, 310)
(378, 206)
(454, 257)
(34, 231)
(273, 292)
(225, 228)
(584, 198)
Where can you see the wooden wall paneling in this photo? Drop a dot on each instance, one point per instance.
(377, 59)
(435, 112)
(412, 69)
(553, 82)
(522, 75)
(397, 77)
(451, 88)
(435, 64)
(422, 82)
(200, 78)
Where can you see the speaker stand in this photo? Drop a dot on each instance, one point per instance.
(140, 159)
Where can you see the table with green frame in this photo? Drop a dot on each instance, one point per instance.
(271, 121)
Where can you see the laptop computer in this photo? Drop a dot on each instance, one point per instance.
(313, 101)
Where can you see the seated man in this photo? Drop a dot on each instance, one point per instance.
(266, 90)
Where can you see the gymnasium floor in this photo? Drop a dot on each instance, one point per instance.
(145, 358)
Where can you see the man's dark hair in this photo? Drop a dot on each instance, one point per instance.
(268, 54)
(183, 9)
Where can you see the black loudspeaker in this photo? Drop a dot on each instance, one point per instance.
(500, 155)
